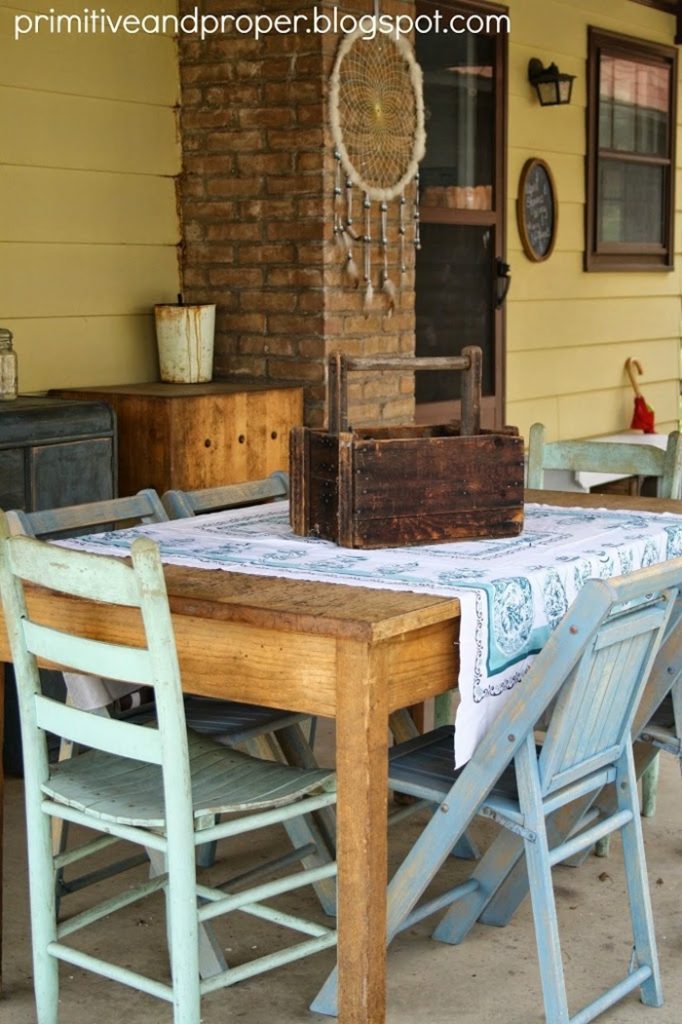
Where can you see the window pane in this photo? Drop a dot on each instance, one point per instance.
(459, 96)
(633, 106)
(454, 303)
(630, 202)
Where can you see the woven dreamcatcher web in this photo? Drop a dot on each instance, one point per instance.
(377, 125)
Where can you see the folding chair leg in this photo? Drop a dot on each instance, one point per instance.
(650, 787)
(638, 888)
(541, 888)
(547, 931)
(492, 870)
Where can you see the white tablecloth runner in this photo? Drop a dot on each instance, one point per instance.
(512, 592)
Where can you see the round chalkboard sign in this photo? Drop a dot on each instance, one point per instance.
(537, 210)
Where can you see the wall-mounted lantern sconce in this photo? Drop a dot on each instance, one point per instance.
(553, 88)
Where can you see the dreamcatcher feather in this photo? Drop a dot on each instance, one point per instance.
(377, 125)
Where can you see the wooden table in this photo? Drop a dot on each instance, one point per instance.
(348, 652)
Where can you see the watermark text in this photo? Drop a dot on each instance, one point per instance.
(98, 21)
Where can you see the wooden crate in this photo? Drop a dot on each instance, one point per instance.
(392, 486)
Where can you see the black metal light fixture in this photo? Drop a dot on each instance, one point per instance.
(553, 87)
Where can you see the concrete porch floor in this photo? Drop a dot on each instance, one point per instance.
(493, 975)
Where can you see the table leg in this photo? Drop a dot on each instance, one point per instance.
(362, 776)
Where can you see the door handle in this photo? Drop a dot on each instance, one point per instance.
(502, 282)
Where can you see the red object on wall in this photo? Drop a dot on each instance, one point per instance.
(642, 414)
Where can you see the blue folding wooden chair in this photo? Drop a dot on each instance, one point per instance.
(642, 460)
(592, 672)
(151, 785)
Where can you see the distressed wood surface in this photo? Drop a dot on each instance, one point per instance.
(371, 489)
(199, 435)
(348, 651)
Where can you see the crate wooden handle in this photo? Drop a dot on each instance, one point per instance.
(470, 363)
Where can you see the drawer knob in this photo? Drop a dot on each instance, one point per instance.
(241, 438)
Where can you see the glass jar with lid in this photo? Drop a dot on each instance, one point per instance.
(8, 366)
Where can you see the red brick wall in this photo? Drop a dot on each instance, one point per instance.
(256, 204)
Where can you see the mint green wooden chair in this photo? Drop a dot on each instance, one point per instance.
(589, 678)
(644, 460)
(228, 722)
(150, 785)
(641, 460)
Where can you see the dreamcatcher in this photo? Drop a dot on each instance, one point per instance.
(377, 125)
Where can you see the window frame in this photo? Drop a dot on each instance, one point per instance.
(666, 6)
(632, 256)
(492, 406)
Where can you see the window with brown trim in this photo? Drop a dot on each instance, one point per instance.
(631, 118)
(668, 6)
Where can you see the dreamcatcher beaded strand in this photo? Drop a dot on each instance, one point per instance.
(377, 124)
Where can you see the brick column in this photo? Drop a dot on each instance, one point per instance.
(256, 203)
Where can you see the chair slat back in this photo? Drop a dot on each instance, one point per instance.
(62, 571)
(110, 734)
(592, 720)
(126, 664)
(607, 457)
(72, 572)
(181, 504)
(145, 506)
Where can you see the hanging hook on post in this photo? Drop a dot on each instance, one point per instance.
(629, 364)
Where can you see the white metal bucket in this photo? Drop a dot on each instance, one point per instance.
(185, 335)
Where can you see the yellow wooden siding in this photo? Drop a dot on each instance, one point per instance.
(88, 218)
(569, 332)
(535, 325)
(44, 204)
(588, 368)
(51, 130)
(80, 66)
(85, 350)
(67, 280)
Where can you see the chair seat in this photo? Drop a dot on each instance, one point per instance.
(235, 721)
(425, 767)
(224, 780)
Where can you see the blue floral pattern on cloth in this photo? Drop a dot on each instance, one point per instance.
(556, 602)
(512, 614)
(512, 592)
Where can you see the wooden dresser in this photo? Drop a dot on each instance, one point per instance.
(198, 435)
